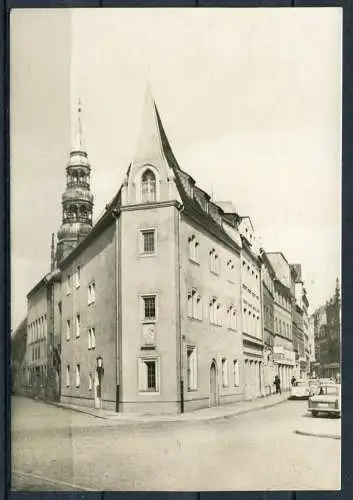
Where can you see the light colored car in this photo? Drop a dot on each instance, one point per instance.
(300, 390)
(328, 401)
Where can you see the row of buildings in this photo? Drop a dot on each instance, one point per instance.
(325, 329)
(166, 304)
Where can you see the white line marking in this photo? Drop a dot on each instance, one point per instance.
(53, 481)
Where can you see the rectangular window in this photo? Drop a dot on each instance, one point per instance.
(91, 338)
(68, 284)
(224, 372)
(68, 329)
(77, 375)
(77, 276)
(91, 293)
(192, 368)
(90, 382)
(148, 241)
(149, 307)
(68, 376)
(236, 381)
(194, 304)
(149, 375)
(78, 325)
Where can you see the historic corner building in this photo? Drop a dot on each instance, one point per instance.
(150, 300)
(165, 304)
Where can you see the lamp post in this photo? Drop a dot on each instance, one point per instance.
(100, 373)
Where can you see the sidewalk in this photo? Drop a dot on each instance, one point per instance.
(323, 427)
(206, 414)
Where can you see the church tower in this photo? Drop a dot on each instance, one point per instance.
(77, 199)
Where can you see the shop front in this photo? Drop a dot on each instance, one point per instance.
(284, 361)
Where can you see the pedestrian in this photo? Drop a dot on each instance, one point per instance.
(293, 380)
(277, 383)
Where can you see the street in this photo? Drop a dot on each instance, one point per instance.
(58, 449)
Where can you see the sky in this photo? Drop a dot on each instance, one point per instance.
(250, 100)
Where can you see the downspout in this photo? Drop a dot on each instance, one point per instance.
(262, 386)
(181, 341)
(117, 292)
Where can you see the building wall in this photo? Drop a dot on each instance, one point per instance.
(212, 342)
(283, 343)
(142, 275)
(37, 318)
(252, 325)
(97, 264)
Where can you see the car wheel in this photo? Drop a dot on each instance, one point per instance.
(315, 413)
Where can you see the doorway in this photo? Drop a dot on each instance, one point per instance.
(96, 391)
(213, 384)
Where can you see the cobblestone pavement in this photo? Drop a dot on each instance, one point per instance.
(58, 449)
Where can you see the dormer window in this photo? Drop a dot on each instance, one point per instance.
(148, 187)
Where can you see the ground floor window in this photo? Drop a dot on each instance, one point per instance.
(192, 368)
(149, 375)
(224, 372)
(236, 378)
(68, 376)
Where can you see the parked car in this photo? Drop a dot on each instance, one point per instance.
(314, 387)
(300, 390)
(328, 401)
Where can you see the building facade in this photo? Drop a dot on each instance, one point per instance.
(137, 339)
(268, 299)
(283, 353)
(165, 304)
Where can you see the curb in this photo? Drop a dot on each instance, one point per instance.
(329, 436)
(189, 419)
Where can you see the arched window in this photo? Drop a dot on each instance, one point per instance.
(148, 186)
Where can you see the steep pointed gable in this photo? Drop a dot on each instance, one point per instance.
(149, 145)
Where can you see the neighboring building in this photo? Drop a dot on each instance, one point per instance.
(37, 347)
(251, 312)
(298, 321)
(18, 358)
(138, 339)
(283, 353)
(327, 331)
(268, 300)
(305, 303)
(311, 322)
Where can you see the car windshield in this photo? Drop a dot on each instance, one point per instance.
(329, 390)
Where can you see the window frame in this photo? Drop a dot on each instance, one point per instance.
(78, 325)
(78, 276)
(143, 378)
(148, 183)
(68, 376)
(77, 375)
(225, 372)
(145, 319)
(142, 251)
(68, 329)
(236, 373)
(91, 293)
(194, 304)
(192, 369)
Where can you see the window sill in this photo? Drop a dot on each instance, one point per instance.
(149, 393)
(194, 319)
(77, 286)
(192, 390)
(215, 324)
(148, 347)
(196, 262)
(214, 272)
(149, 321)
(147, 254)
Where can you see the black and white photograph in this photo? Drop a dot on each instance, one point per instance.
(176, 249)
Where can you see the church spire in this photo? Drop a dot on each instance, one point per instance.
(79, 143)
(77, 199)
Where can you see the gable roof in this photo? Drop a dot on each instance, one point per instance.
(191, 206)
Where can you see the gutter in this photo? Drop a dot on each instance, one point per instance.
(181, 340)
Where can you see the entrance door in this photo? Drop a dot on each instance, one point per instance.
(213, 384)
(96, 391)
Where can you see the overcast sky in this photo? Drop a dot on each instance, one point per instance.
(250, 100)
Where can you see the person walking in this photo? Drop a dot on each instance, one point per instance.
(293, 380)
(277, 383)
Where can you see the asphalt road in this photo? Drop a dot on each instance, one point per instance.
(57, 449)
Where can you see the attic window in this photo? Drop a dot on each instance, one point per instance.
(148, 186)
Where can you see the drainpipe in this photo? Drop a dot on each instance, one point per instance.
(181, 340)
